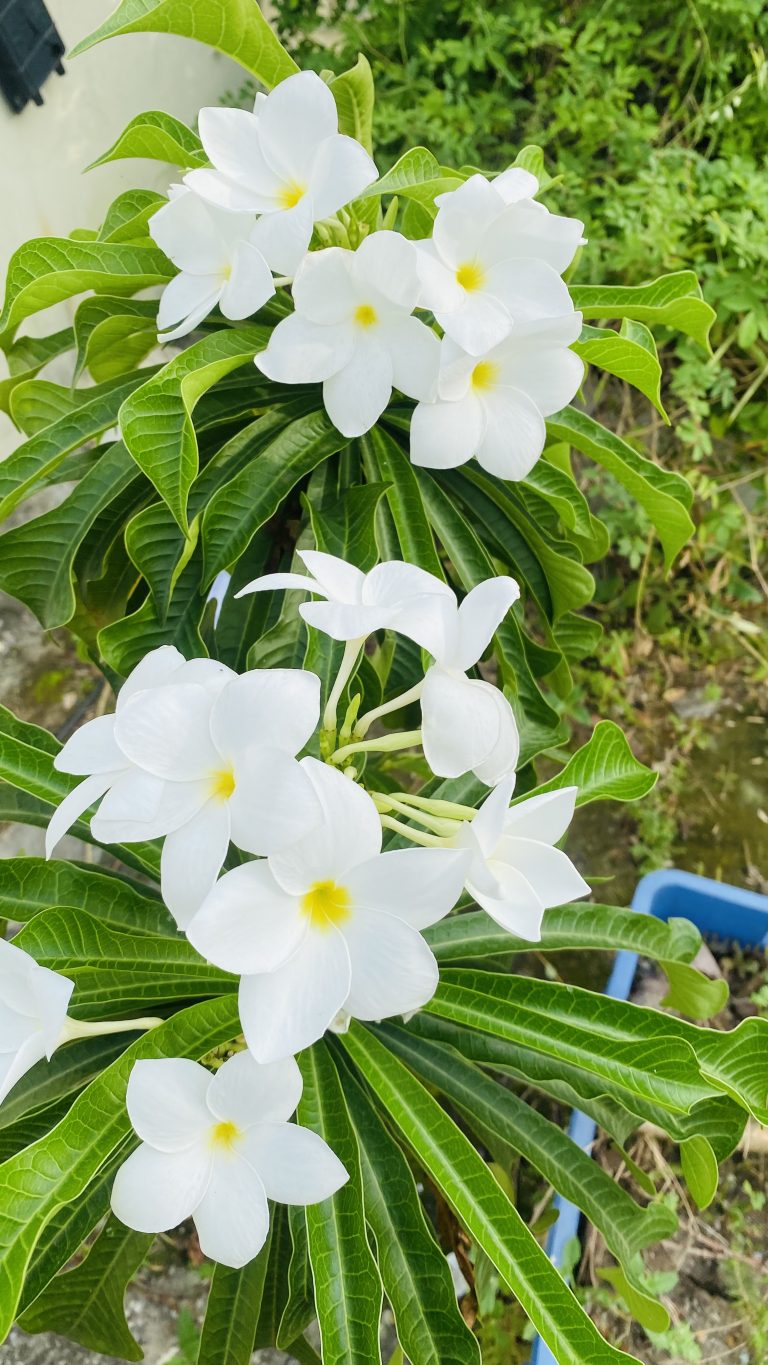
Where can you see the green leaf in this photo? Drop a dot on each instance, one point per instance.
(603, 769)
(630, 354)
(692, 993)
(86, 1304)
(417, 176)
(113, 335)
(47, 270)
(354, 94)
(700, 1171)
(123, 643)
(299, 1307)
(58, 1170)
(481, 1206)
(30, 885)
(157, 137)
(156, 421)
(672, 300)
(651, 1314)
(232, 1313)
(235, 27)
(345, 526)
(417, 1280)
(27, 356)
(347, 1284)
(406, 503)
(127, 216)
(664, 496)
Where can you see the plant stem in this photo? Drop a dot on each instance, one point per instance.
(404, 739)
(452, 809)
(351, 651)
(416, 836)
(83, 1028)
(405, 699)
(385, 803)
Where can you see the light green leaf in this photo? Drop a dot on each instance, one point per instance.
(354, 95)
(481, 1206)
(603, 769)
(234, 27)
(692, 993)
(630, 354)
(232, 1312)
(30, 885)
(157, 137)
(26, 356)
(127, 217)
(113, 335)
(417, 176)
(406, 502)
(347, 1284)
(672, 300)
(700, 1171)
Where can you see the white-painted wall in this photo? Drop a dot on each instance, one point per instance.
(44, 149)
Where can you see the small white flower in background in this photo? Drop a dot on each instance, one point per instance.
(216, 1148)
(467, 724)
(217, 261)
(494, 259)
(202, 756)
(493, 406)
(330, 924)
(286, 161)
(393, 594)
(33, 1013)
(353, 331)
(516, 873)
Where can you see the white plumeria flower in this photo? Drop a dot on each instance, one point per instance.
(353, 331)
(286, 161)
(204, 757)
(467, 724)
(217, 260)
(393, 594)
(331, 924)
(33, 1013)
(516, 873)
(493, 406)
(494, 259)
(216, 1148)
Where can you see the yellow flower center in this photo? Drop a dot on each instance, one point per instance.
(325, 904)
(222, 784)
(225, 1134)
(485, 376)
(470, 276)
(291, 193)
(365, 315)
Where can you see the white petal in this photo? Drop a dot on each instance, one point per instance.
(166, 732)
(529, 230)
(303, 352)
(444, 435)
(348, 833)
(336, 579)
(529, 289)
(247, 924)
(341, 171)
(356, 395)
(154, 670)
(192, 859)
(228, 194)
(343, 622)
(550, 377)
(141, 806)
(91, 749)
(231, 141)
(72, 807)
(502, 761)
(415, 353)
(274, 707)
(516, 907)
(489, 823)
(295, 118)
(185, 302)
(418, 885)
(279, 582)
(284, 237)
(460, 722)
(273, 803)
(479, 323)
(286, 1010)
(232, 1218)
(322, 290)
(514, 434)
(393, 968)
(249, 285)
(387, 264)
(295, 1164)
(439, 287)
(246, 1093)
(166, 1104)
(207, 673)
(549, 871)
(395, 583)
(15, 1064)
(515, 184)
(545, 817)
(480, 615)
(188, 232)
(463, 217)
(51, 993)
(155, 1191)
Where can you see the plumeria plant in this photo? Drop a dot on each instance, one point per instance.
(318, 521)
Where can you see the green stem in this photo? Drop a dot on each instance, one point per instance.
(451, 809)
(351, 651)
(83, 1028)
(404, 739)
(416, 836)
(365, 722)
(385, 803)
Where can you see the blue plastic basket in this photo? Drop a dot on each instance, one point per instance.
(715, 909)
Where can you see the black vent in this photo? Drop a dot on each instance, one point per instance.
(30, 49)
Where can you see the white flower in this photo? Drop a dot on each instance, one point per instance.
(352, 330)
(516, 873)
(330, 924)
(467, 724)
(494, 259)
(217, 260)
(493, 406)
(202, 756)
(33, 1013)
(216, 1148)
(393, 594)
(286, 161)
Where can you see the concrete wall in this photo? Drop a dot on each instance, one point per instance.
(43, 150)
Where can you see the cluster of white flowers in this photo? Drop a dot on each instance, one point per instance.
(490, 277)
(320, 925)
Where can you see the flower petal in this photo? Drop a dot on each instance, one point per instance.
(91, 749)
(336, 579)
(304, 352)
(415, 353)
(141, 806)
(489, 823)
(187, 230)
(273, 803)
(155, 1191)
(72, 807)
(286, 1010)
(481, 321)
(502, 761)
(386, 263)
(460, 722)
(192, 859)
(166, 1104)
(16, 1063)
(393, 968)
(232, 1218)
(166, 732)
(342, 169)
(344, 622)
(274, 707)
(463, 216)
(295, 1165)
(249, 285)
(154, 670)
(417, 885)
(52, 993)
(246, 1093)
(356, 395)
(516, 907)
(550, 376)
(444, 435)
(322, 290)
(515, 184)
(529, 230)
(228, 194)
(480, 615)
(247, 924)
(530, 289)
(284, 237)
(348, 833)
(296, 117)
(545, 817)
(185, 302)
(549, 871)
(232, 144)
(514, 434)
